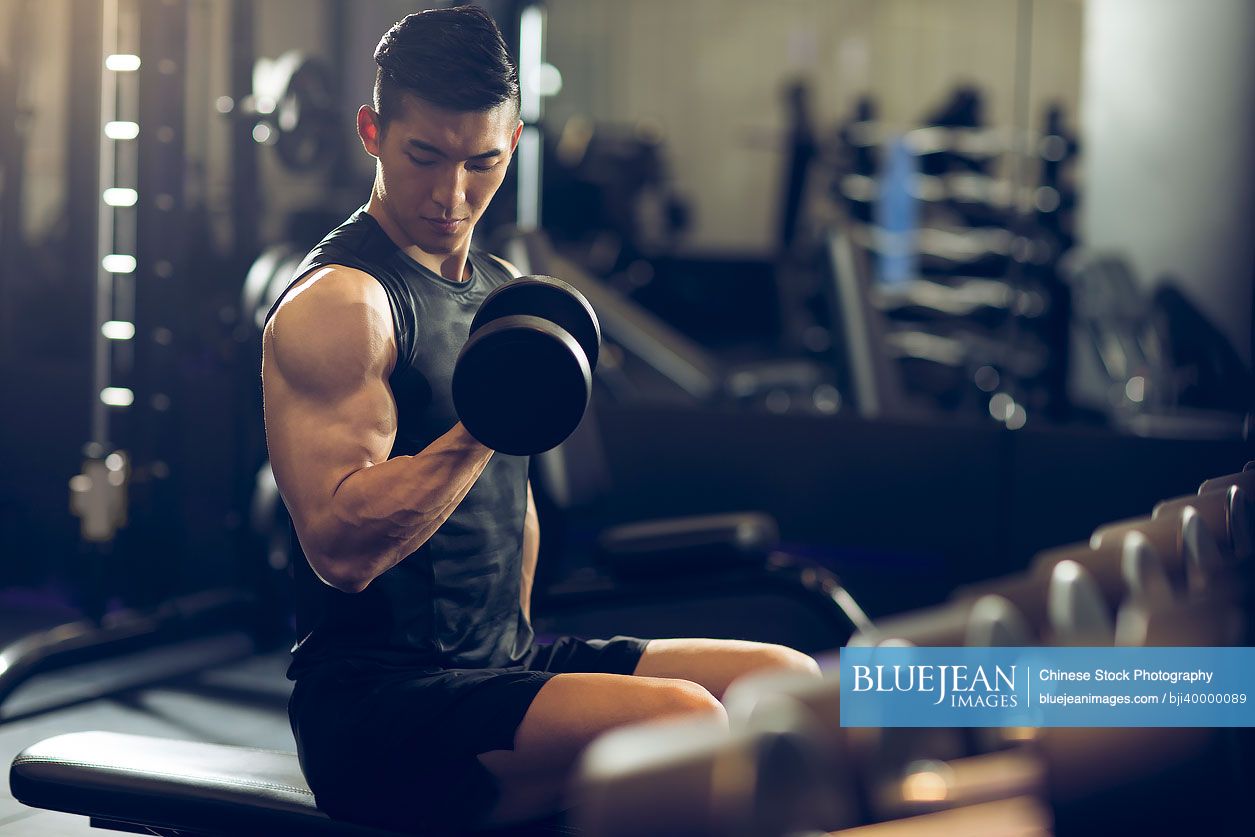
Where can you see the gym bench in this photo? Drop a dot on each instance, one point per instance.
(146, 785)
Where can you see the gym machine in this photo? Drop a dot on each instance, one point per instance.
(960, 261)
(652, 361)
(126, 497)
(1152, 364)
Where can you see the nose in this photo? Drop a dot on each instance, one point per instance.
(449, 189)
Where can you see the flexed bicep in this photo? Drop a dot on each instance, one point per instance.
(327, 354)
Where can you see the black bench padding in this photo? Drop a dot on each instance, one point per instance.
(187, 785)
(695, 544)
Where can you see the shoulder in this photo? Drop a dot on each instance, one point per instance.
(334, 323)
(509, 268)
(330, 292)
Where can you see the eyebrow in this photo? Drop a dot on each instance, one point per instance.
(431, 149)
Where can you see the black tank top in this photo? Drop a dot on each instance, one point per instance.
(453, 603)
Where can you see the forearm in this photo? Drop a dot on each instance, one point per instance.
(381, 513)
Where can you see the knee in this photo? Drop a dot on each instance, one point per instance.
(684, 697)
(777, 657)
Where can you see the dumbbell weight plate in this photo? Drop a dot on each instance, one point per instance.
(1228, 515)
(521, 385)
(548, 298)
(1244, 478)
(306, 117)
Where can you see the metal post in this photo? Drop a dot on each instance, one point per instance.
(245, 196)
(101, 349)
(165, 299)
(12, 157)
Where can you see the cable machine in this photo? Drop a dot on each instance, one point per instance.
(132, 493)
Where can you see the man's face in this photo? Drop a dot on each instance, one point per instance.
(438, 169)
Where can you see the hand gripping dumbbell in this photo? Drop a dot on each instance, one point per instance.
(524, 377)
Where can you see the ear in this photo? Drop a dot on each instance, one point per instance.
(514, 140)
(369, 130)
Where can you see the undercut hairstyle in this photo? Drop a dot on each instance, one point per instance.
(453, 58)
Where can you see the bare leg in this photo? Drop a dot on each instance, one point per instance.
(715, 663)
(567, 714)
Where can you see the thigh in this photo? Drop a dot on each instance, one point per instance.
(573, 709)
(715, 663)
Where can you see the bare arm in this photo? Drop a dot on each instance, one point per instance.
(330, 425)
(531, 550)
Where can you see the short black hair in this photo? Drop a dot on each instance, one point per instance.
(454, 58)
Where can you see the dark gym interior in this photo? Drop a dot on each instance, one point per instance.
(896, 298)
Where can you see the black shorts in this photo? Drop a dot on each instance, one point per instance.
(397, 749)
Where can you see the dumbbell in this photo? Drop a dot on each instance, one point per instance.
(752, 701)
(1130, 581)
(878, 773)
(1083, 596)
(872, 773)
(1182, 541)
(1041, 768)
(979, 621)
(523, 379)
(691, 777)
(1059, 600)
(1018, 815)
(1116, 589)
(974, 621)
(1229, 514)
(1121, 569)
(1244, 478)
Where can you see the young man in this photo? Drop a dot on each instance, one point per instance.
(421, 699)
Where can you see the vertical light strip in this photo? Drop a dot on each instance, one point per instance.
(529, 178)
(126, 173)
(531, 55)
(115, 196)
(104, 227)
(122, 63)
(531, 41)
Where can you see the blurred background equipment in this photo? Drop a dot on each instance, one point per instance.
(292, 107)
(786, 765)
(920, 321)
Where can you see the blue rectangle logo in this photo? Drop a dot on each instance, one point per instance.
(1047, 687)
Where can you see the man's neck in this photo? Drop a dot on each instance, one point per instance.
(451, 266)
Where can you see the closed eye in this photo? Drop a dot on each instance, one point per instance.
(428, 163)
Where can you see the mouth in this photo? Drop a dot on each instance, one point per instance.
(445, 225)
